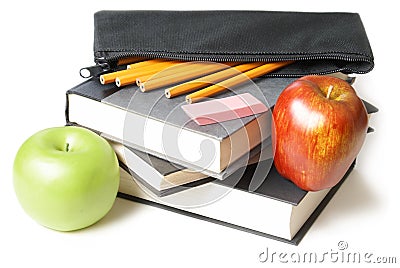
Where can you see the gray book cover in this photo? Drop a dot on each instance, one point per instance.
(154, 105)
(162, 166)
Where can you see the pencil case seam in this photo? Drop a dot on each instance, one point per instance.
(234, 53)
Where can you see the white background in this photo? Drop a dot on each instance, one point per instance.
(44, 44)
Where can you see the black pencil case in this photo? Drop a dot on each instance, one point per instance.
(319, 43)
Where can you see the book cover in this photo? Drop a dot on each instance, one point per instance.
(260, 152)
(147, 187)
(155, 105)
(291, 210)
(157, 175)
(134, 117)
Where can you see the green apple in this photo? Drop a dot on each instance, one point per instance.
(66, 178)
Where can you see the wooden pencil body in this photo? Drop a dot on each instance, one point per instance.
(234, 81)
(192, 71)
(144, 63)
(209, 79)
(130, 77)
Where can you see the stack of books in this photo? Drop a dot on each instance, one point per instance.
(222, 172)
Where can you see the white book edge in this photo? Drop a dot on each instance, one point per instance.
(148, 173)
(237, 207)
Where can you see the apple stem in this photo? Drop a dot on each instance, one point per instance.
(329, 91)
(67, 147)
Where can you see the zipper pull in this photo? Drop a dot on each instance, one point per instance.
(95, 70)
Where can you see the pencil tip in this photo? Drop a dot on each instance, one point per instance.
(142, 88)
(117, 82)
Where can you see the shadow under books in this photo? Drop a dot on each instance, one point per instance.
(354, 197)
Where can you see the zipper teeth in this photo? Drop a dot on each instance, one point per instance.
(111, 61)
(224, 57)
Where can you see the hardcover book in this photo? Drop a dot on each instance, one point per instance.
(157, 175)
(162, 177)
(277, 209)
(151, 123)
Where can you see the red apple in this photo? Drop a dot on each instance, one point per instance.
(319, 127)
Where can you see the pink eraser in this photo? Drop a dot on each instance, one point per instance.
(224, 109)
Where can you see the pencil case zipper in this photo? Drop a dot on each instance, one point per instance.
(113, 44)
(104, 65)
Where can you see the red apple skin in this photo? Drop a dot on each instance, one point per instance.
(315, 138)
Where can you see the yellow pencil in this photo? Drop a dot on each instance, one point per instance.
(190, 72)
(130, 77)
(234, 81)
(110, 77)
(209, 79)
(181, 68)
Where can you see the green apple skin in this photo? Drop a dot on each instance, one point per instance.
(66, 178)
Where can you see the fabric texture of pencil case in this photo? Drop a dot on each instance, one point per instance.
(319, 43)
